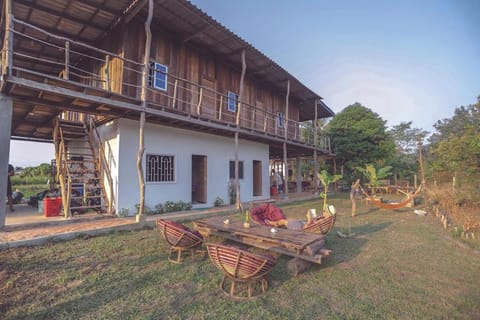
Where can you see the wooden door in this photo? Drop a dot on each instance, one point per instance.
(257, 178)
(199, 179)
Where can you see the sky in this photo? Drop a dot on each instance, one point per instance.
(405, 60)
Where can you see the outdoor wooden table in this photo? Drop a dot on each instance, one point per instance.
(298, 244)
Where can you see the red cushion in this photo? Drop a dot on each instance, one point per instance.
(266, 212)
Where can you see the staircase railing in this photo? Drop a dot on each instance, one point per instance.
(63, 171)
(101, 163)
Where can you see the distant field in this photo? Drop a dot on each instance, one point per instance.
(397, 266)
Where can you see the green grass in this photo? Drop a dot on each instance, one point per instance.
(397, 266)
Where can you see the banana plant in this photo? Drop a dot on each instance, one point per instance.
(373, 175)
(326, 180)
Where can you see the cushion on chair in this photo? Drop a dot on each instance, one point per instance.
(266, 212)
(183, 227)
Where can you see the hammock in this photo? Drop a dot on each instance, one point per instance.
(396, 205)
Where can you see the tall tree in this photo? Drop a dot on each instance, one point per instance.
(455, 151)
(359, 136)
(405, 160)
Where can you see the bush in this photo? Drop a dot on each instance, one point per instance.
(123, 212)
(218, 202)
(159, 209)
(169, 206)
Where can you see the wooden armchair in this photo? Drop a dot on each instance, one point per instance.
(241, 267)
(180, 239)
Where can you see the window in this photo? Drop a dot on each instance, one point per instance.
(232, 169)
(279, 119)
(231, 101)
(158, 76)
(160, 168)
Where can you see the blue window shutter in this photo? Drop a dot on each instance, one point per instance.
(160, 76)
(231, 101)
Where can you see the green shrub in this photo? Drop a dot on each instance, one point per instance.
(123, 212)
(218, 202)
(159, 209)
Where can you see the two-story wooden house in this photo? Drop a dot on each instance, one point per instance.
(86, 74)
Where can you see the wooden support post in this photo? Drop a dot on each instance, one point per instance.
(66, 73)
(8, 48)
(6, 111)
(200, 98)
(175, 85)
(315, 164)
(299, 174)
(353, 193)
(108, 85)
(141, 148)
(285, 170)
(265, 121)
(287, 96)
(239, 110)
(220, 108)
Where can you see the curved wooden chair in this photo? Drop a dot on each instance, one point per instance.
(241, 267)
(180, 239)
(321, 225)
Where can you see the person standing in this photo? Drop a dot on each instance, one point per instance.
(11, 172)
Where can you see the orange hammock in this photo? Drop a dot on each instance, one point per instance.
(393, 206)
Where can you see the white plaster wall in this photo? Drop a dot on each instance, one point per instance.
(183, 144)
(110, 138)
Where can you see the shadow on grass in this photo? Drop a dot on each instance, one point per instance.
(346, 249)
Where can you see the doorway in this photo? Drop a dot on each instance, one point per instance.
(199, 179)
(257, 178)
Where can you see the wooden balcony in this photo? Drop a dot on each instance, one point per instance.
(48, 74)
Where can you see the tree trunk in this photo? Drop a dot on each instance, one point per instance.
(141, 146)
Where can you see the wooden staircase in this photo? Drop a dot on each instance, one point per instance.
(81, 168)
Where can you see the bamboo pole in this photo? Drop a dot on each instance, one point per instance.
(285, 163)
(315, 164)
(66, 74)
(8, 38)
(220, 108)
(141, 147)
(287, 96)
(107, 73)
(240, 98)
(200, 98)
(174, 93)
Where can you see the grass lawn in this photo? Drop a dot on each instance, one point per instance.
(397, 266)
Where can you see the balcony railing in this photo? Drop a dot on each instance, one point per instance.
(38, 54)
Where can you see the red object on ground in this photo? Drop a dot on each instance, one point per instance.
(266, 212)
(273, 191)
(51, 206)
